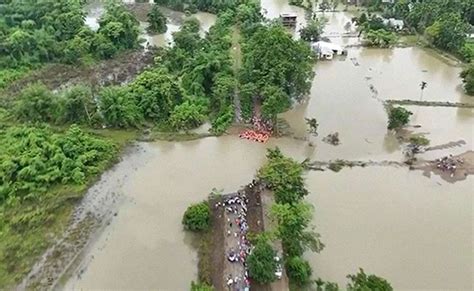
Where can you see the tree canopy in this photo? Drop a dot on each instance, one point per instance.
(363, 282)
(197, 217)
(467, 76)
(261, 263)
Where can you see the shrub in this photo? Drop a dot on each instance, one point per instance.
(187, 115)
(157, 20)
(298, 270)
(200, 287)
(398, 117)
(37, 104)
(363, 282)
(419, 140)
(467, 76)
(261, 263)
(118, 107)
(197, 217)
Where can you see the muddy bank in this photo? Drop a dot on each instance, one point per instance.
(121, 69)
(96, 209)
(430, 103)
(463, 169)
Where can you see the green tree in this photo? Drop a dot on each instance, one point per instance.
(37, 103)
(448, 32)
(275, 101)
(293, 221)
(156, 92)
(187, 115)
(118, 107)
(298, 270)
(197, 217)
(467, 76)
(157, 20)
(284, 176)
(200, 287)
(119, 26)
(78, 105)
(398, 117)
(272, 58)
(313, 30)
(261, 263)
(363, 282)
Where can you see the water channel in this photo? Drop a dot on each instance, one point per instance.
(415, 231)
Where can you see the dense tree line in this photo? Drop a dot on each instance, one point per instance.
(292, 215)
(34, 32)
(445, 23)
(467, 76)
(212, 6)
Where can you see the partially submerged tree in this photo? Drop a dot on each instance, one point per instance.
(313, 125)
(313, 30)
(398, 117)
(197, 217)
(298, 270)
(157, 20)
(467, 76)
(363, 282)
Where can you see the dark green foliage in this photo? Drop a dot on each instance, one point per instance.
(197, 217)
(380, 37)
(33, 159)
(78, 106)
(261, 263)
(448, 32)
(445, 23)
(326, 286)
(247, 91)
(272, 58)
(398, 117)
(298, 270)
(200, 287)
(35, 32)
(284, 176)
(313, 30)
(119, 26)
(363, 282)
(187, 115)
(156, 93)
(37, 103)
(467, 76)
(275, 101)
(157, 20)
(118, 107)
(223, 120)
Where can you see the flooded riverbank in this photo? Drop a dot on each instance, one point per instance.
(413, 230)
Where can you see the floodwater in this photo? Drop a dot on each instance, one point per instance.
(415, 231)
(95, 9)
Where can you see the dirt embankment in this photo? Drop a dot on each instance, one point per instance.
(121, 69)
(430, 103)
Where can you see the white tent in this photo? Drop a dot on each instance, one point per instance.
(326, 49)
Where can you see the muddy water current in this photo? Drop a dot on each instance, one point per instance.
(415, 231)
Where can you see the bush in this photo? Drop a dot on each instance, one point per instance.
(261, 263)
(78, 105)
(200, 287)
(467, 76)
(419, 140)
(187, 116)
(157, 20)
(298, 270)
(118, 107)
(197, 217)
(223, 121)
(363, 282)
(398, 117)
(37, 104)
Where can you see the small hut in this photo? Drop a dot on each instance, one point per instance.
(288, 20)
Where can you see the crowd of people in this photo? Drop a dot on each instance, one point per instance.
(449, 164)
(238, 247)
(261, 132)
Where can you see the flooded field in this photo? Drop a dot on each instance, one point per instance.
(415, 231)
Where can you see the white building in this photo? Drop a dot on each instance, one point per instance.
(326, 50)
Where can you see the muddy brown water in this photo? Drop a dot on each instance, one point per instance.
(415, 231)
